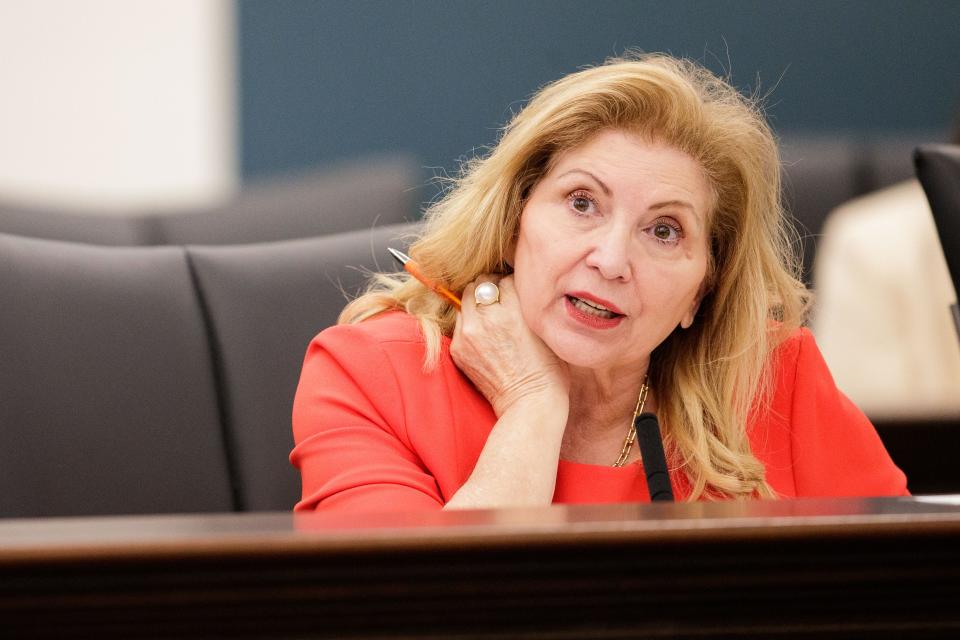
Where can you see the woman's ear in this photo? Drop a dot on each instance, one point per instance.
(687, 320)
(509, 256)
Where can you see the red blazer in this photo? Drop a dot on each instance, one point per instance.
(375, 433)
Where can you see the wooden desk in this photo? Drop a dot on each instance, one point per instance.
(843, 568)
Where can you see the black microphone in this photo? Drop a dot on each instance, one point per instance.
(654, 462)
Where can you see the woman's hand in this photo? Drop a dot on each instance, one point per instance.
(503, 358)
(528, 387)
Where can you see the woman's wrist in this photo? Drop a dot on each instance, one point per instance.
(553, 405)
(518, 464)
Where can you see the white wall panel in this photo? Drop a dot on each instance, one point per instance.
(117, 104)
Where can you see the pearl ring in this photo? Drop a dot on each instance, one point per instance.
(486, 293)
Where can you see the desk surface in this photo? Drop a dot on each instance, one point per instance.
(47, 540)
(838, 568)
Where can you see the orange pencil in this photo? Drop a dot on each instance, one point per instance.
(411, 267)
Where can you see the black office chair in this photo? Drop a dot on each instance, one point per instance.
(938, 168)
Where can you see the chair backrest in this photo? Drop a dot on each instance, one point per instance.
(890, 158)
(378, 191)
(107, 395)
(161, 379)
(938, 169)
(265, 302)
(373, 191)
(119, 229)
(821, 173)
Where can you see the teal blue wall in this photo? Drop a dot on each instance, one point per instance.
(326, 81)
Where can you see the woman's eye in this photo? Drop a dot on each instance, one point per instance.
(665, 232)
(582, 202)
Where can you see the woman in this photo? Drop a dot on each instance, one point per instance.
(631, 222)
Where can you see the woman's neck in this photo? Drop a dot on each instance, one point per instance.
(601, 412)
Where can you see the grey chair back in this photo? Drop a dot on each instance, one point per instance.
(92, 227)
(890, 159)
(819, 174)
(264, 303)
(378, 191)
(374, 191)
(107, 396)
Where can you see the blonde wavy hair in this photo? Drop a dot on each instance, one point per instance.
(708, 378)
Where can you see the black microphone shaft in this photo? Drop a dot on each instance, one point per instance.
(654, 461)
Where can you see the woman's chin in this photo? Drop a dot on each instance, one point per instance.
(579, 353)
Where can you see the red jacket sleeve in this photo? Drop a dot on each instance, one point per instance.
(350, 441)
(836, 450)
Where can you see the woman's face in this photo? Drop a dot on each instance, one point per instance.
(612, 250)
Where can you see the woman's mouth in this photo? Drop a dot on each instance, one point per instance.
(592, 308)
(592, 313)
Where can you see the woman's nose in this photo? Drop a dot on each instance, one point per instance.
(610, 254)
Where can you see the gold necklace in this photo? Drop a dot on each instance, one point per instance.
(631, 432)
